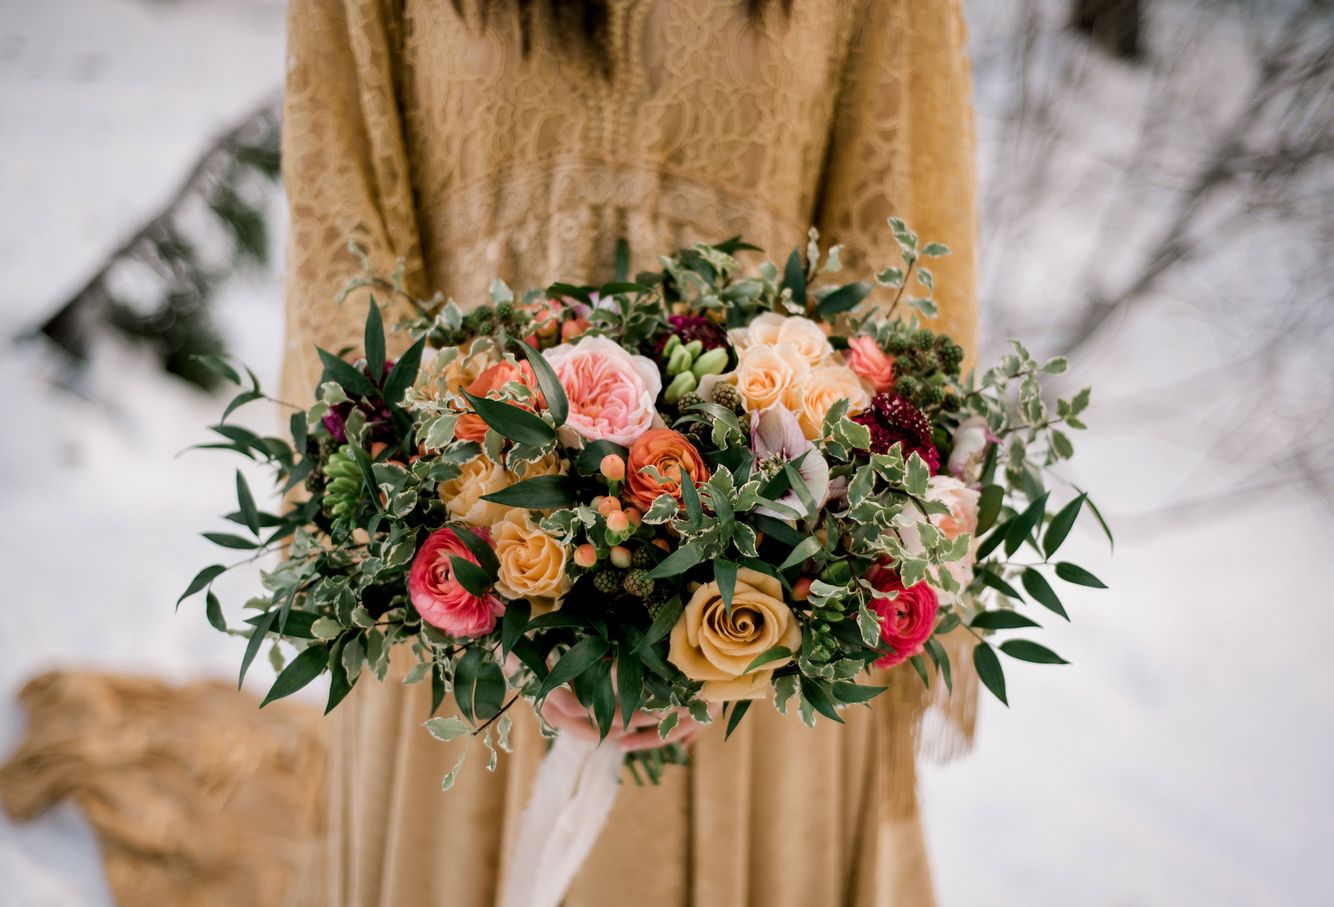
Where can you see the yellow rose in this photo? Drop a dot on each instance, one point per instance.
(710, 645)
(823, 387)
(808, 338)
(463, 494)
(532, 563)
(766, 373)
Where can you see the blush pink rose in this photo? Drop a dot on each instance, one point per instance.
(865, 357)
(611, 391)
(907, 619)
(440, 598)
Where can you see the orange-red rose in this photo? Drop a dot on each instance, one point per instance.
(671, 455)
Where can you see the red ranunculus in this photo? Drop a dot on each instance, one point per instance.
(438, 595)
(906, 619)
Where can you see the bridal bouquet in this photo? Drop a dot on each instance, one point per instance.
(658, 498)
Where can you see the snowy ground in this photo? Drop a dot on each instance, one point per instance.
(1183, 758)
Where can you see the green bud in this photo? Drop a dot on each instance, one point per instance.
(673, 342)
(682, 384)
(680, 361)
(837, 573)
(694, 348)
(711, 363)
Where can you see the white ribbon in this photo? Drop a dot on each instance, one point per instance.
(572, 796)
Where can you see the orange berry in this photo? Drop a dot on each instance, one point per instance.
(612, 467)
(620, 557)
(801, 589)
(585, 555)
(618, 521)
(609, 505)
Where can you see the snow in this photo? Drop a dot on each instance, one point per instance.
(1184, 756)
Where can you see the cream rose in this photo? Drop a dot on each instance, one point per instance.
(766, 373)
(962, 502)
(711, 645)
(532, 563)
(808, 338)
(762, 331)
(822, 388)
(463, 494)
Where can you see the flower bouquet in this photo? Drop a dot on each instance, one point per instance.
(645, 505)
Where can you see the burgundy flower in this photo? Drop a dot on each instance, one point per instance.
(892, 419)
(692, 327)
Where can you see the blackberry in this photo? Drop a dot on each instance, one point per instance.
(608, 582)
(726, 395)
(641, 558)
(637, 583)
(688, 400)
(505, 311)
(923, 339)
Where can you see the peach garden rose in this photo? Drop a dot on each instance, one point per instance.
(532, 563)
(612, 392)
(812, 398)
(671, 454)
(865, 357)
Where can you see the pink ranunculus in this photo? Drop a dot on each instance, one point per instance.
(906, 620)
(438, 595)
(612, 392)
(865, 357)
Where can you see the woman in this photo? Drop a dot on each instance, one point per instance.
(507, 139)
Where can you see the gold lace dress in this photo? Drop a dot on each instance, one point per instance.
(434, 140)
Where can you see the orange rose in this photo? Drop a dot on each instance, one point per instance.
(471, 427)
(671, 454)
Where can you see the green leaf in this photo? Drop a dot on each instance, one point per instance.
(300, 624)
(1024, 650)
(580, 657)
(1041, 591)
(993, 540)
(339, 683)
(303, 669)
(916, 475)
(219, 367)
(513, 623)
(404, 373)
(844, 298)
(856, 692)
(1078, 575)
(485, 554)
(668, 724)
(724, 573)
(557, 403)
(1060, 526)
(773, 653)
(989, 670)
(1001, 620)
(739, 709)
(1023, 525)
(814, 692)
(935, 249)
(347, 376)
(630, 683)
(590, 458)
(537, 493)
(227, 540)
(446, 729)
(374, 342)
(679, 561)
(479, 686)
(239, 401)
(794, 278)
(663, 622)
(806, 549)
(202, 579)
(988, 508)
(213, 611)
(470, 576)
(989, 578)
(246, 504)
(1106, 530)
(511, 421)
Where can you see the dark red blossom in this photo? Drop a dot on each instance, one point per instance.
(892, 419)
(692, 327)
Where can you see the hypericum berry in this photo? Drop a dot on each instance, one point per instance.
(618, 521)
(608, 582)
(726, 395)
(637, 583)
(585, 555)
(612, 467)
(608, 505)
(801, 589)
(620, 557)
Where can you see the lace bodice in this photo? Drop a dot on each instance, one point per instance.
(423, 136)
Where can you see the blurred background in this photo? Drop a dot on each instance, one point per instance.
(1157, 203)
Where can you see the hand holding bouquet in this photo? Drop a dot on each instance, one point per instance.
(648, 504)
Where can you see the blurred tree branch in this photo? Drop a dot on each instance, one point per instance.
(155, 286)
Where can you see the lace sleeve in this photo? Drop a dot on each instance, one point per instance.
(345, 171)
(902, 145)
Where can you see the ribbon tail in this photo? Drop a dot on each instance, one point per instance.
(571, 799)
